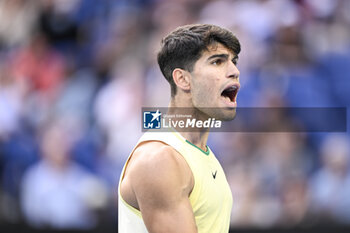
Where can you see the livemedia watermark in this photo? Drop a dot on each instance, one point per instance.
(161, 119)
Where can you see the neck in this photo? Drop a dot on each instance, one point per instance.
(197, 136)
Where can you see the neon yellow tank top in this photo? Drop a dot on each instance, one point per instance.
(211, 197)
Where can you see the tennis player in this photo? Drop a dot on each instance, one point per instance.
(172, 181)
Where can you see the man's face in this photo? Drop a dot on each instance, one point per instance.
(215, 83)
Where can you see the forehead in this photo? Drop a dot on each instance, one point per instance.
(216, 48)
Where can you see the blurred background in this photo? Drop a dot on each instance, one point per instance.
(74, 75)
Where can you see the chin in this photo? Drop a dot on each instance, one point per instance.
(223, 114)
(227, 115)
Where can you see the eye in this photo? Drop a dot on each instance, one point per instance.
(217, 62)
(235, 61)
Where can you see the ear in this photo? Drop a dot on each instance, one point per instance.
(182, 79)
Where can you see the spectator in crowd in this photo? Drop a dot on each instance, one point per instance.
(330, 185)
(57, 192)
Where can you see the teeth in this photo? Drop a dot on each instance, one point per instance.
(231, 88)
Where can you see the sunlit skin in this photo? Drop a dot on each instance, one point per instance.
(212, 73)
(200, 90)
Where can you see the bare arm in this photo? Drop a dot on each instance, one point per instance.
(161, 182)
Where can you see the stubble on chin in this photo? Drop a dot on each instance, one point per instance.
(217, 113)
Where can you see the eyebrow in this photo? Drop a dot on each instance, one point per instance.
(221, 56)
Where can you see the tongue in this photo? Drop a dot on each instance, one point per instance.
(227, 98)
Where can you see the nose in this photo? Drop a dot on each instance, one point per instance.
(232, 71)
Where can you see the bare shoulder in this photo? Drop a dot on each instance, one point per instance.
(156, 171)
(158, 182)
(157, 160)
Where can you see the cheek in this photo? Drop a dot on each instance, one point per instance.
(204, 92)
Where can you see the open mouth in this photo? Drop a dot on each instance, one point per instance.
(230, 93)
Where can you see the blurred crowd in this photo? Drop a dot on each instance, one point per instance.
(74, 75)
